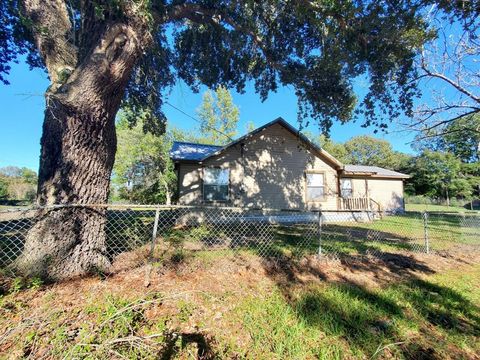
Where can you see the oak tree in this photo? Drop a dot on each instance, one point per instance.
(100, 54)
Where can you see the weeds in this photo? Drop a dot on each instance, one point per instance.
(435, 316)
(338, 320)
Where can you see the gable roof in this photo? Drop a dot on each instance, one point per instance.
(191, 151)
(372, 171)
(188, 151)
(192, 154)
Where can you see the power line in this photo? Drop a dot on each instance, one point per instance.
(199, 121)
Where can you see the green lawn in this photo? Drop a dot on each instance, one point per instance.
(431, 207)
(404, 232)
(439, 316)
(245, 315)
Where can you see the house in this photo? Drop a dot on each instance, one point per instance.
(275, 166)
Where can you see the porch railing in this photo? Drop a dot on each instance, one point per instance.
(353, 203)
(359, 203)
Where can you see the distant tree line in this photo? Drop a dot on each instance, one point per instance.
(446, 166)
(143, 171)
(17, 184)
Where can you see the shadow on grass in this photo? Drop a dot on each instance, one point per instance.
(340, 240)
(195, 343)
(368, 319)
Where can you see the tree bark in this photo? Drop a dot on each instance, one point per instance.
(76, 160)
(77, 153)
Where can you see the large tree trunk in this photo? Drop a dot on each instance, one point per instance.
(77, 155)
(78, 151)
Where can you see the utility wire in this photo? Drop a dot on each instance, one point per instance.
(173, 106)
(199, 121)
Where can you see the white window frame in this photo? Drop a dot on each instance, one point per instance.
(324, 186)
(215, 184)
(342, 188)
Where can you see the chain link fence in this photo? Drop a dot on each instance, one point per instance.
(170, 235)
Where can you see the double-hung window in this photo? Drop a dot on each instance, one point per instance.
(215, 184)
(346, 188)
(315, 186)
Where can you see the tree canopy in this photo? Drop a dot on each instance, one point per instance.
(460, 137)
(365, 150)
(17, 183)
(218, 117)
(437, 174)
(316, 47)
(143, 171)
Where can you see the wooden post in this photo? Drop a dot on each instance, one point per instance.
(154, 233)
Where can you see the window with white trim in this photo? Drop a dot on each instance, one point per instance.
(315, 186)
(346, 188)
(215, 184)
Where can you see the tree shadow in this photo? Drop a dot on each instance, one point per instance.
(174, 343)
(367, 318)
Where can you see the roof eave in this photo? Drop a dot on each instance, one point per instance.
(356, 173)
(184, 160)
(337, 164)
(374, 175)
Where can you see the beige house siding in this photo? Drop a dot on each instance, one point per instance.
(269, 172)
(190, 184)
(359, 187)
(387, 192)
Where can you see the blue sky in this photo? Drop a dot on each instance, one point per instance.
(22, 106)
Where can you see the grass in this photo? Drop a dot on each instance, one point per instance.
(403, 232)
(433, 207)
(404, 320)
(129, 230)
(251, 315)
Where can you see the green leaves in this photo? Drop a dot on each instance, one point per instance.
(460, 137)
(318, 48)
(219, 117)
(143, 171)
(365, 150)
(439, 174)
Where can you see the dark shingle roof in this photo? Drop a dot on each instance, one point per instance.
(374, 170)
(191, 151)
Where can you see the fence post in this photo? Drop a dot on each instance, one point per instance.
(154, 233)
(320, 220)
(152, 248)
(425, 232)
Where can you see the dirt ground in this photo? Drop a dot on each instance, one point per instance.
(202, 285)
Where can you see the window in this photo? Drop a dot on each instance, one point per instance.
(346, 188)
(215, 184)
(315, 186)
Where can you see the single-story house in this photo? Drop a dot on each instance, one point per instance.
(277, 167)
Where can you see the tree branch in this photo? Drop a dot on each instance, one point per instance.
(442, 133)
(451, 82)
(443, 122)
(51, 27)
(202, 15)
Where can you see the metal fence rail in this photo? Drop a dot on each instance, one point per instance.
(171, 234)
